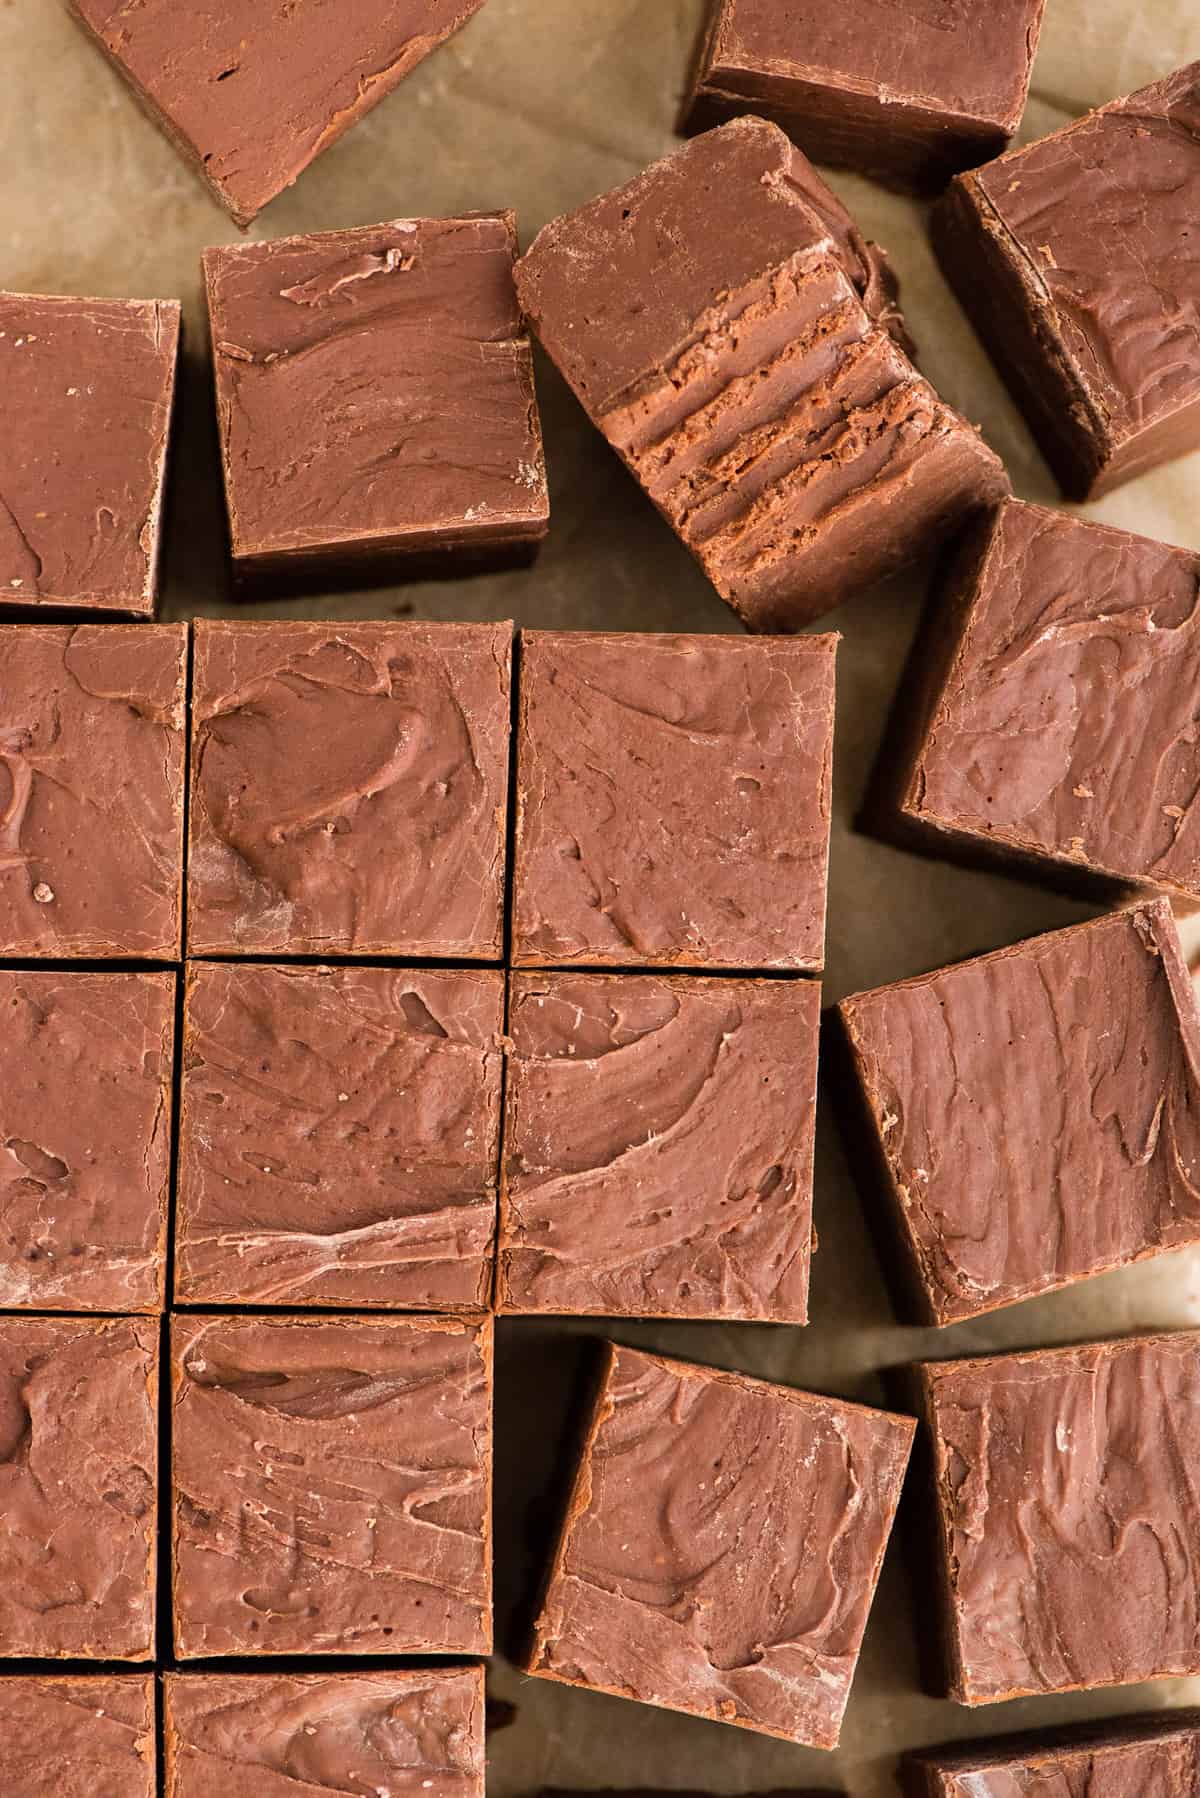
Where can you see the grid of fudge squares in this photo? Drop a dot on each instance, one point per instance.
(78, 1736)
(1150, 1757)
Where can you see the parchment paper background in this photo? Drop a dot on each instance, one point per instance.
(539, 104)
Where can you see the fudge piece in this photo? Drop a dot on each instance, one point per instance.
(349, 789)
(91, 789)
(82, 1737)
(626, 1192)
(1078, 262)
(250, 94)
(332, 1485)
(722, 1546)
(708, 319)
(1034, 1113)
(1148, 1757)
(258, 1735)
(78, 1478)
(85, 1138)
(339, 1136)
(88, 388)
(1067, 1515)
(673, 800)
(948, 93)
(375, 402)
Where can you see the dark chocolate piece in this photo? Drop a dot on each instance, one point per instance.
(1139, 1757)
(332, 1485)
(722, 1546)
(708, 317)
(1068, 1525)
(673, 800)
(85, 1139)
(375, 402)
(88, 387)
(339, 1137)
(250, 94)
(91, 790)
(268, 1735)
(349, 789)
(1035, 1112)
(908, 95)
(79, 1737)
(1078, 261)
(629, 1190)
(78, 1476)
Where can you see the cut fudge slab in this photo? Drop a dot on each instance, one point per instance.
(250, 93)
(906, 98)
(1035, 1112)
(339, 1136)
(349, 789)
(262, 1735)
(708, 318)
(722, 1546)
(332, 1485)
(91, 789)
(1078, 262)
(78, 1477)
(78, 1738)
(658, 1146)
(1067, 1515)
(1050, 723)
(673, 800)
(85, 1139)
(1147, 1757)
(375, 402)
(88, 387)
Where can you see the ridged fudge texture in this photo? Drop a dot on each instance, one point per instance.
(78, 1737)
(1149, 1757)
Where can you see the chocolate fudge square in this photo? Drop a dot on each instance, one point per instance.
(88, 387)
(85, 1138)
(91, 790)
(1076, 260)
(948, 93)
(1034, 1113)
(349, 787)
(339, 1136)
(250, 94)
(1067, 1517)
(252, 1735)
(1048, 725)
(79, 1737)
(627, 1190)
(375, 402)
(78, 1480)
(721, 1547)
(1141, 1757)
(708, 319)
(673, 800)
(332, 1485)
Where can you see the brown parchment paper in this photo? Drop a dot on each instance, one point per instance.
(540, 104)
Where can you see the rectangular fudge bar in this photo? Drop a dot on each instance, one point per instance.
(1075, 258)
(332, 1485)
(88, 388)
(658, 1147)
(1067, 1515)
(85, 1138)
(253, 1735)
(91, 790)
(722, 1547)
(78, 1482)
(1034, 1113)
(1046, 722)
(673, 800)
(80, 1737)
(375, 402)
(249, 93)
(339, 1136)
(908, 100)
(349, 789)
(709, 319)
(1147, 1757)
